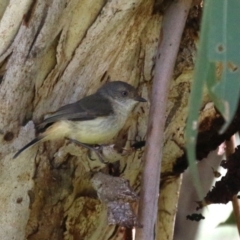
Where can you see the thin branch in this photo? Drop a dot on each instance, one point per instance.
(173, 25)
(230, 148)
(236, 211)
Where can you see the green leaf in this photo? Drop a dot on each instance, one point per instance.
(217, 67)
(224, 51)
(200, 74)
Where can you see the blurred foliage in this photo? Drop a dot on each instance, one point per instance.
(231, 220)
(217, 68)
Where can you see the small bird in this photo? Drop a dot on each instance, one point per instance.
(93, 120)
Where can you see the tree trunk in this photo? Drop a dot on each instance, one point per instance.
(54, 53)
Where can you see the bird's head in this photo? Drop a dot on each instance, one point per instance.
(122, 93)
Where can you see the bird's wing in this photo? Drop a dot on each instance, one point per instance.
(88, 108)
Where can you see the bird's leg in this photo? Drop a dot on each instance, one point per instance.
(96, 150)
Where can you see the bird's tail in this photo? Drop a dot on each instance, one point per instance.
(32, 143)
(56, 131)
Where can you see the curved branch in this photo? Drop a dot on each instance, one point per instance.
(173, 25)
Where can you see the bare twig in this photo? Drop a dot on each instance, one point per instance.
(173, 25)
(230, 148)
(236, 211)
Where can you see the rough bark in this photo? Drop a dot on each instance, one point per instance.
(54, 53)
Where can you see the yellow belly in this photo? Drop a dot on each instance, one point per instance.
(97, 131)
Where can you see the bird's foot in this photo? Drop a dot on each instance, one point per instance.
(97, 149)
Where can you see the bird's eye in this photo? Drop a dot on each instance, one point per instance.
(124, 93)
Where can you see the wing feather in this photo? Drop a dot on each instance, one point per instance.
(88, 108)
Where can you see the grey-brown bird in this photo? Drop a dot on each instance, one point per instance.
(95, 119)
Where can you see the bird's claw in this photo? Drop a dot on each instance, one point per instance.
(95, 149)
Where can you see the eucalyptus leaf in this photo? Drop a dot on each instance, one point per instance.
(217, 67)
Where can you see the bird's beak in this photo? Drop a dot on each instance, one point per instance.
(140, 99)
